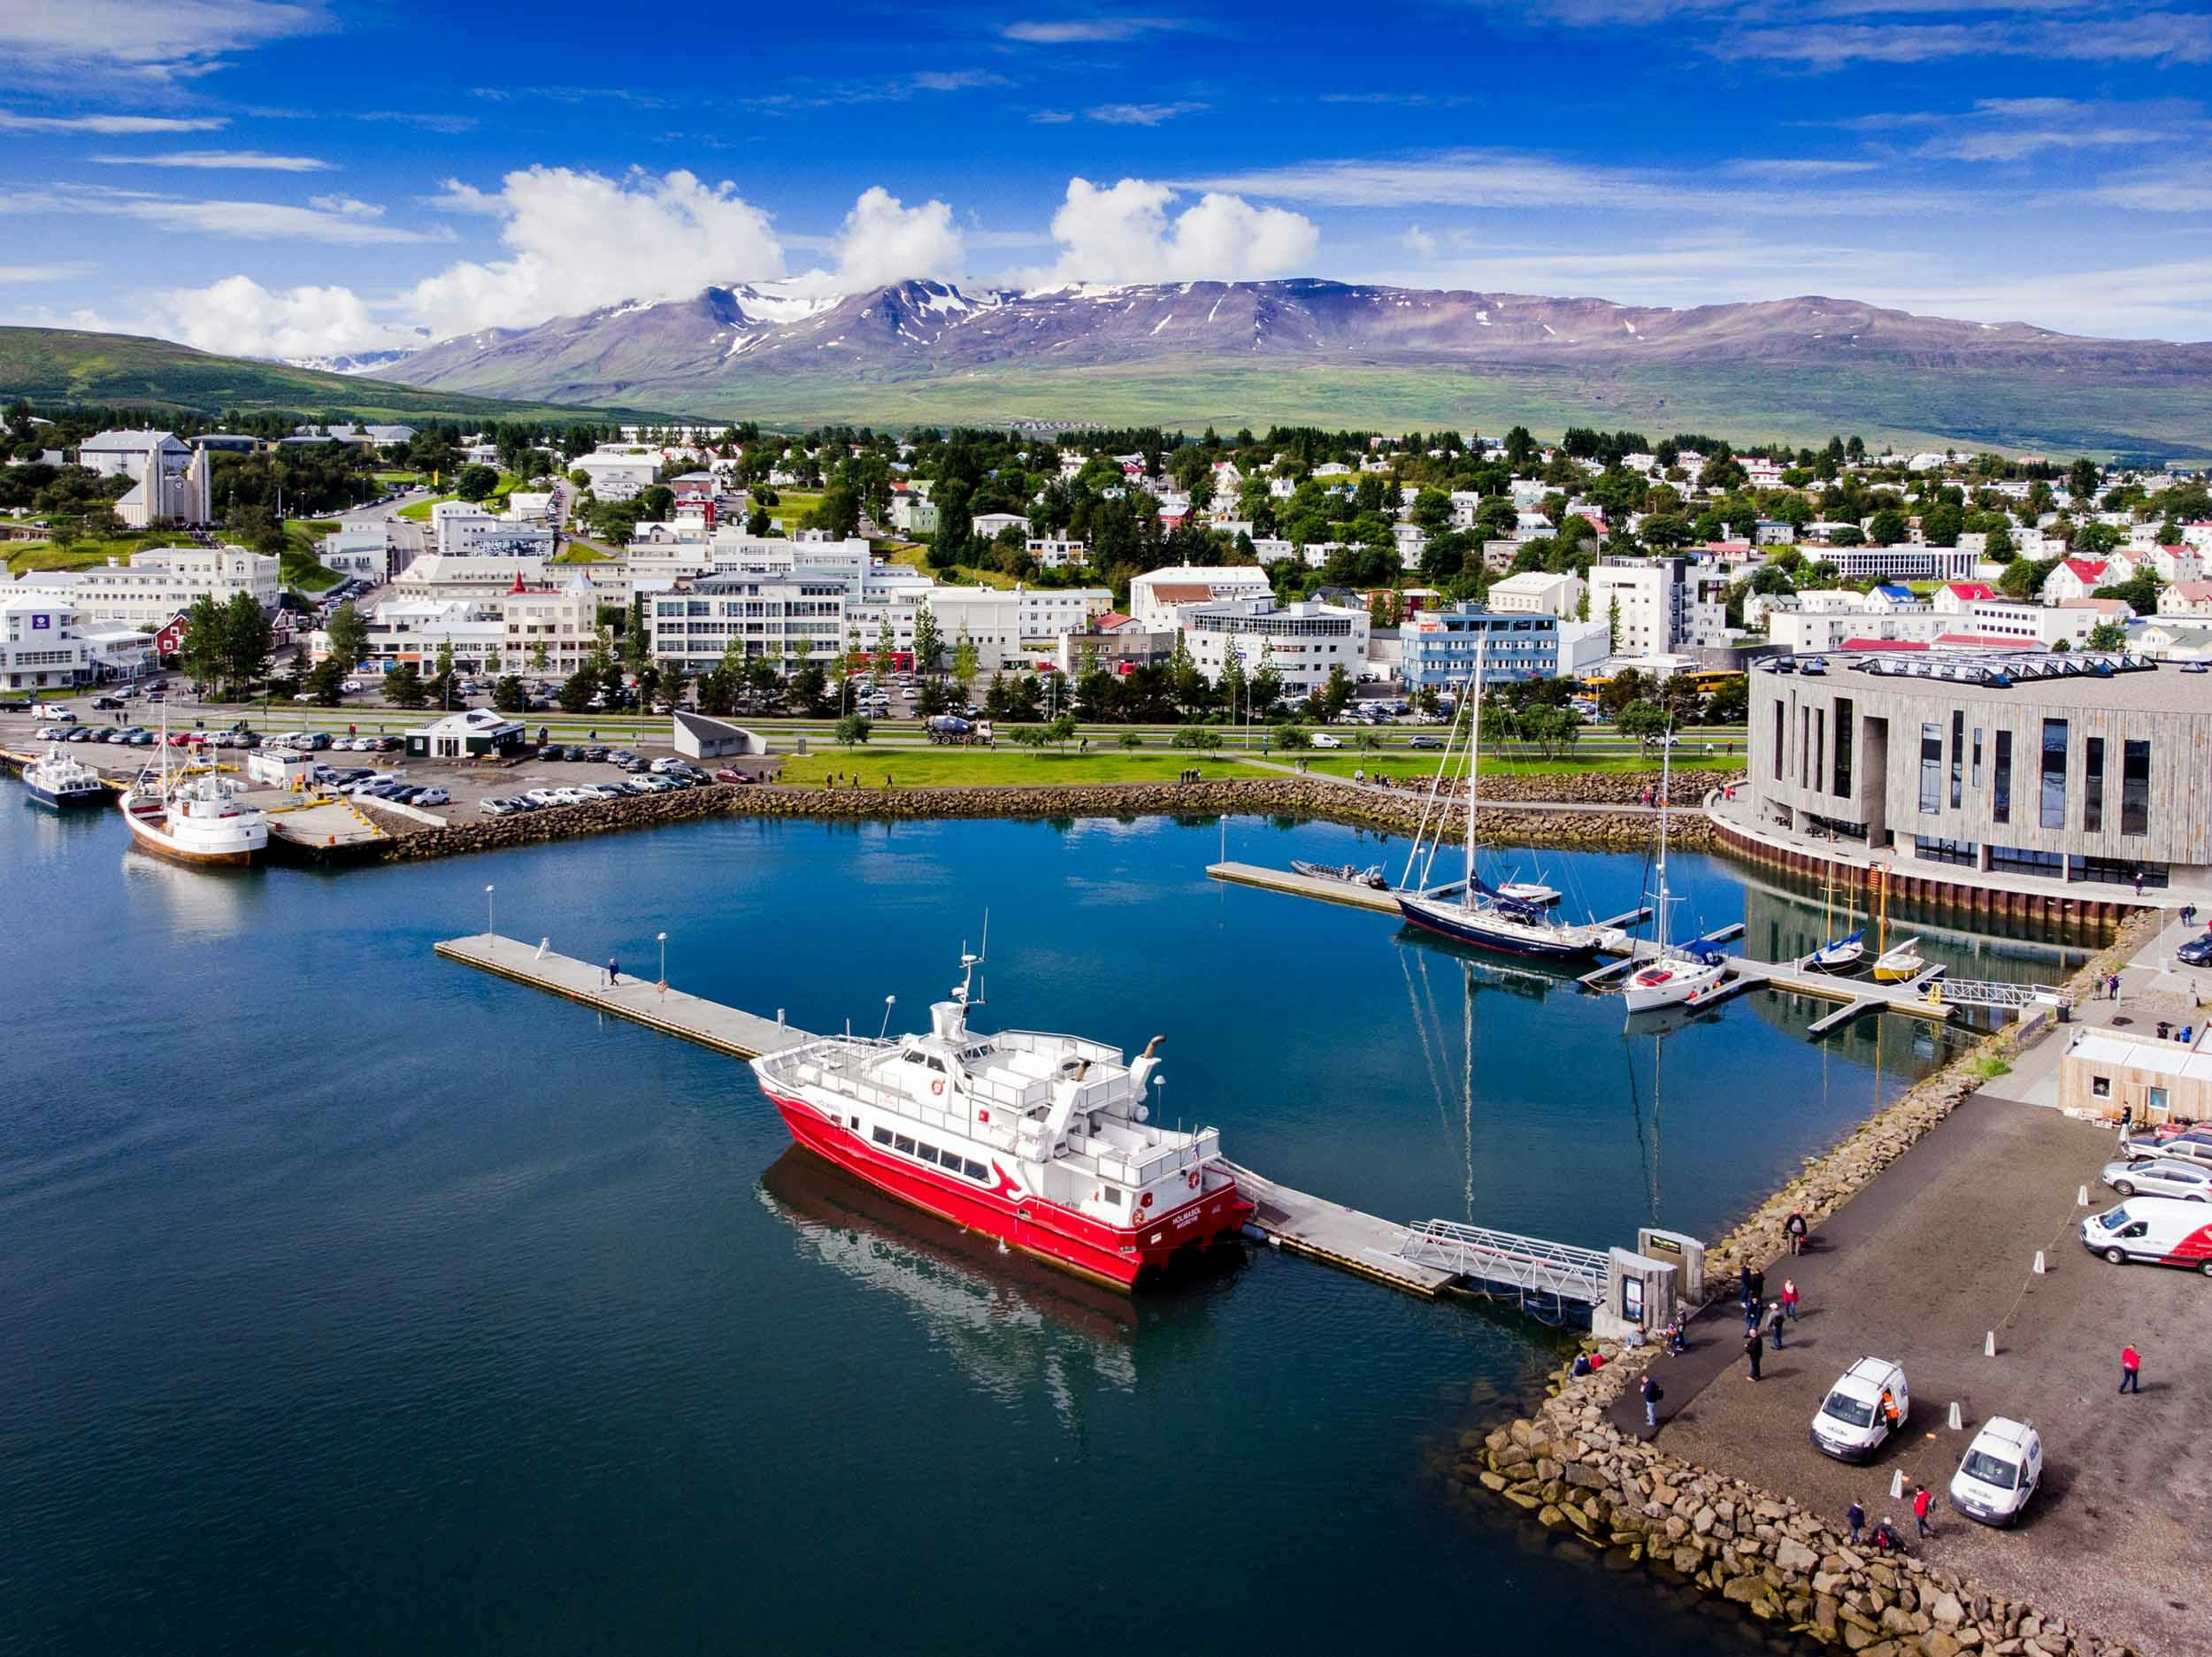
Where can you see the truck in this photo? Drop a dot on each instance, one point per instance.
(951, 728)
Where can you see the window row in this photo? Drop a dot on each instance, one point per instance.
(951, 1162)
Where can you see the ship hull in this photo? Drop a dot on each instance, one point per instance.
(1125, 1258)
(1456, 925)
(66, 798)
(242, 850)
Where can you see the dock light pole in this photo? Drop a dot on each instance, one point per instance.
(663, 940)
(490, 931)
(889, 1002)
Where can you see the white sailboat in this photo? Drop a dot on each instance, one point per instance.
(1837, 954)
(1679, 978)
(1898, 963)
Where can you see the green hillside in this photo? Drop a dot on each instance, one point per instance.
(61, 365)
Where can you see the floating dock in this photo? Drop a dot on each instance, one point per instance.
(1383, 902)
(1342, 1237)
(741, 1035)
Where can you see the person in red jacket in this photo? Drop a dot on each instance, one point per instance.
(1921, 1502)
(2130, 1368)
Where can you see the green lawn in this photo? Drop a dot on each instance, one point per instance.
(915, 557)
(400, 480)
(576, 552)
(792, 507)
(83, 555)
(1344, 762)
(297, 563)
(420, 509)
(925, 767)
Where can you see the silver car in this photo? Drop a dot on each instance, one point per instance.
(2160, 1176)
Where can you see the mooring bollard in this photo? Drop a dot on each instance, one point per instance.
(1989, 1345)
(1957, 1422)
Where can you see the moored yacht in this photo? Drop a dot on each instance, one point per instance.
(63, 781)
(1689, 976)
(1040, 1140)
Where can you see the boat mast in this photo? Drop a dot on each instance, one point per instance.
(1666, 754)
(1474, 761)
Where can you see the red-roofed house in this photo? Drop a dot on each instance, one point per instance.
(1952, 597)
(2076, 577)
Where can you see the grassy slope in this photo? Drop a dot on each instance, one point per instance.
(297, 562)
(1155, 763)
(1745, 402)
(84, 554)
(62, 365)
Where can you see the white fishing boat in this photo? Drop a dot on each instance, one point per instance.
(1476, 913)
(192, 815)
(59, 779)
(1684, 977)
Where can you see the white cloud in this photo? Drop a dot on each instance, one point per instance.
(251, 221)
(347, 205)
(108, 126)
(579, 240)
(151, 39)
(883, 241)
(226, 160)
(1050, 117)
(2138, 37)
(1125, 234)
(1418, 241)
(1139, 114)
(237, 317)
(1085, 31)
(20, 273)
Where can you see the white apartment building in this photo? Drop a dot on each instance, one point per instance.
(159, 581)
(362, 550)
(617, 474)
(462, 528)
(1300, 641)
(1537, 593)
(436, 577)
(1157, 596)
(1056, 553)
(40, 644)
(1663, 604)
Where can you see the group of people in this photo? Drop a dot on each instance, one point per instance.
(1764, 1320)
(1886, 1538)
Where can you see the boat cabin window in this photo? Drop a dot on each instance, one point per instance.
(976, 1171)
(910, 1056)
(905, 1145)
(934, 1064)
(883, 1136)
(1110, 1193)
(927, 1153)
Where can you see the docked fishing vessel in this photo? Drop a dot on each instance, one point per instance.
(1475, 912)
(59, 779)
(1043, 1141)
(1370, 877)
(192, 817)
(1686, 977)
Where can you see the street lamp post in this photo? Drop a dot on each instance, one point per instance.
(663, 940)
(490, 931)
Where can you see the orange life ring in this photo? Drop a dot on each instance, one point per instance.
(937, 1086)
(1194, 1179)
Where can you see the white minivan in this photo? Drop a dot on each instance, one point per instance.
(1854, 1420)
(1998, 1471)
(2161, 1230)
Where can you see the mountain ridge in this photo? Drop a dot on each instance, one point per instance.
(1390, 356)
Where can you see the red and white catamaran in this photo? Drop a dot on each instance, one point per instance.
(1040, 1140)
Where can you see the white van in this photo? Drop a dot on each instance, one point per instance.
(1852, 1423)
(2161, 1230)
(1998, 1471)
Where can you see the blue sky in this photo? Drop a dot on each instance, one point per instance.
(288, 178)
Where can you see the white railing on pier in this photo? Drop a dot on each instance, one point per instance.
(1993, 993)
(1530, 1264)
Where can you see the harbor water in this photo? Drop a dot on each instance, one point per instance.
(352, 1300)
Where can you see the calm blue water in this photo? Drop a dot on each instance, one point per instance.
(353, 1301)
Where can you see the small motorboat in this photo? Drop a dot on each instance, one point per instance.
(1842, 955)
(1534, 892)
(1370, 877)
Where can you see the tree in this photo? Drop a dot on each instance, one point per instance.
(474, 482)
(507, 696)
(402, 687)
(323, 684)
(1887, 528)
(2107, 635)
(1645, 721)
(1186, 683)
(929, 642)
(809, 689)
(247, 640)
(539, 660)
(444, 668)
(1553, 729)
(887, 647)
(964, 659)
(348, 631)
(853, 729)
(205, 650)
(1997, 545)
(578, 689)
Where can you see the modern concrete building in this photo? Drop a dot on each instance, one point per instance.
(1155, 596)
(360, 550)
(1300, 642)
(1441, 645)
(1537, 593)
(2066, 767)
(1655, 605)
(40, 644)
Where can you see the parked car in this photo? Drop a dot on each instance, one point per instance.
(2193, 1146)
(1322, 738)
(432, 796)
(726, 774)
(2160, 1176)
(490, 805)
(664, 763)
(53, 710)
(108, 704)
(542, 796)
(1852, 1423)
(2157, 1231)
(1425, 742)
(2196, 952)
(595, 756)
(1998, 1471)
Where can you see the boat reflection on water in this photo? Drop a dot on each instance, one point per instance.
(1012, 1324)
(1532, 979)
(186, 898)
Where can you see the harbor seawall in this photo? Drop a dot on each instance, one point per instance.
(1573, 1469)
(1547, 815)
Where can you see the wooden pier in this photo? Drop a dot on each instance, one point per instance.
(1340, 1236)
(1383, 902)
(1859, 996)
(725, 1029)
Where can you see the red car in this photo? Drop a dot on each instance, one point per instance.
(727, 775)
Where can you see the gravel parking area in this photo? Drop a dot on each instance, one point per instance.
(1937, 1252)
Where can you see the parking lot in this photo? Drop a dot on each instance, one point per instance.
(1918, 1268)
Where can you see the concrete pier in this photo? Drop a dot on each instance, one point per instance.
(1342, 1237)
(725, 1029)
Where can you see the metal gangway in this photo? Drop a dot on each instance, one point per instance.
(1543, 1278)
(1993, 992)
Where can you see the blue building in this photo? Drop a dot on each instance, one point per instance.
(1440, 645)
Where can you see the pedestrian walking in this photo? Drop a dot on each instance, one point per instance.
(1921, 1502)
(1795, 1229)
(2130, 1368)
(1743, 1284)
(1855, 1517)
(1775, 1320)
(1752, 1345)
(614, 973)
(1758, 1287)
(1789, 1298)
(1652, 1396)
